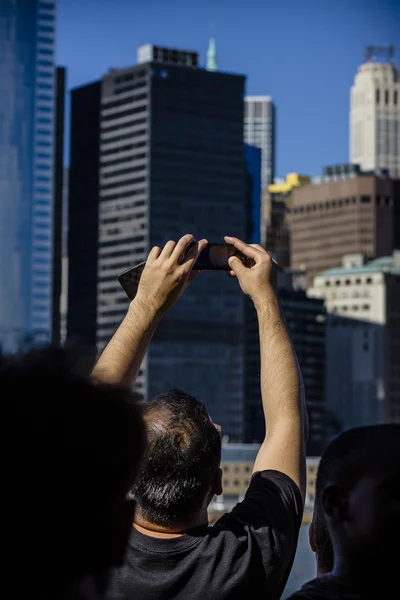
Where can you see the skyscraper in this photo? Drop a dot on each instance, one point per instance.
(375, 113)
(159, 148)
(27, 115)
(259, 131)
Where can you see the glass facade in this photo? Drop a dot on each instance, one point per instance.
(27, 88)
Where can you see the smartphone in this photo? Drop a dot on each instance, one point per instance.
(130, 278)
(214, 257)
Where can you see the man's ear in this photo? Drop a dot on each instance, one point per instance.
(335, 502)
(216, 483)
(311, 537)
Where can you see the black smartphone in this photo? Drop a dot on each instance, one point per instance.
(130, 278)
(214, 257)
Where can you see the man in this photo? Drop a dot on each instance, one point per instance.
(172, 552)
(72, 450)
(358, 486)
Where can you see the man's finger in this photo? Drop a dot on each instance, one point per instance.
(258, 247)
(168, 249)
(231, 273)
(237, 266)
(181, 247)
(243, 247)
(193, 254)
(154, 253)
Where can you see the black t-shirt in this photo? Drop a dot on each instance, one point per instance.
(247, 553)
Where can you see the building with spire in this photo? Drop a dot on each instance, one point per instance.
(375, 113)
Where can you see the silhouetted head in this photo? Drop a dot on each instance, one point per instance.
(358, 486)
(73, 452)
(181, 471)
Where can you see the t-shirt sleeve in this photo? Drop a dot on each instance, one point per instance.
(272, 500)
(269, 519)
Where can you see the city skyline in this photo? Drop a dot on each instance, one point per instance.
(307, 81)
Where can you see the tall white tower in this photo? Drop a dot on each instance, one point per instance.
(259, 131)
(375, 113)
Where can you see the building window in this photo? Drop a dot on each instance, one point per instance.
(377, 96)
(365, 347)
(386, 96)
(327, 283)
(355, 307)
(395, 97)
(366, 307)
(337, 282)
(358, 281)
(365, 199)
(236, 483)
(344, 308)
(347, 282)
(368, 280)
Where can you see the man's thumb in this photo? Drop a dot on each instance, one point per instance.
(236, 265)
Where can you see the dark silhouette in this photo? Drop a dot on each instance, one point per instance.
(358, 485)
(73, 452)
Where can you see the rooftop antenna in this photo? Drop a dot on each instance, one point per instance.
(373, 52)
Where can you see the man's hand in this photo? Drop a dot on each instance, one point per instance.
(165, 276)
(258, 280)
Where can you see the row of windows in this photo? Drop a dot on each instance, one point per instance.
(333, 204)
(116, 103)
(386, 97)
(122, 172)
(357, 281)
(125, 148)
(355, 308)
(129, 77)
(130, 87)
(119, 195)
(123, 126)
(114, 242)
(124, 113)
(119, 161)
(110, 186)
(122, 219)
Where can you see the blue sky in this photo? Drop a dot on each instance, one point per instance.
(303, 53)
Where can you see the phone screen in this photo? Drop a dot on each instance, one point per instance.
(215, 257)
(130, 278)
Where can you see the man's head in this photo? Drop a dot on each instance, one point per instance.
(181, 471)
(74, 450)
(358, 486)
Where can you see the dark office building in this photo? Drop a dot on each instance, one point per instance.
(157, 152)
(58, 201)
(83, 208)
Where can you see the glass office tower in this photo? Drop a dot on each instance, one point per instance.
(27, 88)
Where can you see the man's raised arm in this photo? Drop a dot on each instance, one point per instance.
(282, 390)
(162, 283)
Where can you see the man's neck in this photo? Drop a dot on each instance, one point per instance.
(172, 531)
